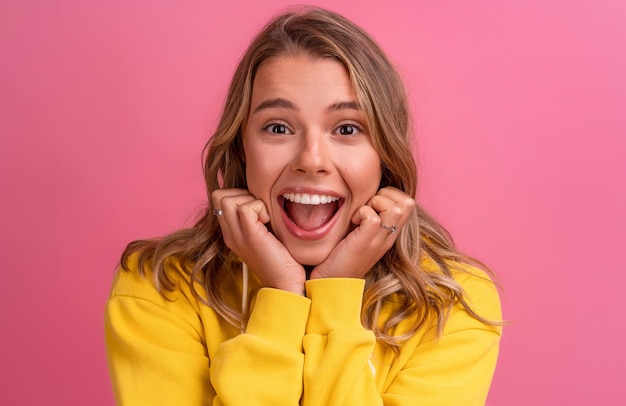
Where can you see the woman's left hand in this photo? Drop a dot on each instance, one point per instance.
(378, 224)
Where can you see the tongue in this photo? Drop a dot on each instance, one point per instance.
(309, 217)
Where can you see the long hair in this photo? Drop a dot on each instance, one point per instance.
(201, 251)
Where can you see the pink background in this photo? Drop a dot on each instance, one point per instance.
(519, 106)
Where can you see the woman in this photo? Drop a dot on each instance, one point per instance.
(314, 278)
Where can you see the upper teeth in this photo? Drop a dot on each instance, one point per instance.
(305, 198)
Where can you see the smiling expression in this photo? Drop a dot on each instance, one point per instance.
(308, 153)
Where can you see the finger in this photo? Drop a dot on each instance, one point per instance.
(229, 220)
(359, 250)
(250, 213)
(393, 206)
(397, 196)
(386, 207)
(218, 194)
(393, 193)
(365, 214)
(392, 216)
(371, 227)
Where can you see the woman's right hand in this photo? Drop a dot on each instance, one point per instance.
(243, 227)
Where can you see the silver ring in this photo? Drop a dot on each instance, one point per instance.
(392, 229)
(218, 212)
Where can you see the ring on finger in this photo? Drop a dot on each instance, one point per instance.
(218, 212)
(392, 229)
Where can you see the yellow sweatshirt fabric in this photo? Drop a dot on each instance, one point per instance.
(295, 350)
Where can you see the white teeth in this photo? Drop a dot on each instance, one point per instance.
(305, 198)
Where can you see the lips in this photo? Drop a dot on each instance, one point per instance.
(309, 211)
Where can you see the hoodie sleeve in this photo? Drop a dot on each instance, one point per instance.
(453, 369)
(264, 365)
(337, 347)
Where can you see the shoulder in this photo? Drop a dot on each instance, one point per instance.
(480, 300)
(143, 284)
(480, 291)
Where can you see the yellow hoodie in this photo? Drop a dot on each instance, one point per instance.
(295, 350)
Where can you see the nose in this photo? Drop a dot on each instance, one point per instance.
(313, 155)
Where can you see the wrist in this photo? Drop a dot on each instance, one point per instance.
(319, 272)
(292, 284)
(298, 289)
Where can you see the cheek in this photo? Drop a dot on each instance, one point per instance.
(260, 176)
(367, 173)
(254, 167)
(254, 181)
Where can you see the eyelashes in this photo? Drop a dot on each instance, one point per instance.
(349, 129)
(277, 128)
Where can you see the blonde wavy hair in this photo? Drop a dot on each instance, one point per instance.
(201, 250)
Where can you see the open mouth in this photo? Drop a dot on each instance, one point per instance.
(309, 211)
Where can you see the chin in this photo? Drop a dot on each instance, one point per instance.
(309, 257)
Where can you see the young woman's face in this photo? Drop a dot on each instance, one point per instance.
(308, 153)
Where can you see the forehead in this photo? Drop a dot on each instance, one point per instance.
(300, 75)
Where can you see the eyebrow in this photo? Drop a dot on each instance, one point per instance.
(350, 105)
(275, 103)
(286, 104)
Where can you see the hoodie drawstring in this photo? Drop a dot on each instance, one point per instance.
(244, 295)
